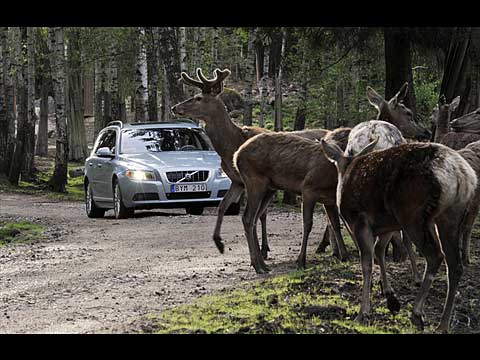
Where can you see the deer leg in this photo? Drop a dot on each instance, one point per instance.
(364, 238)
(308, 205)
(467, 230)
(254, 200)
(413, 259)
(426, 239)
(338, 246)
(327, 234)
(399, 251)
(232, 194)
(263, 219)
(380, 247)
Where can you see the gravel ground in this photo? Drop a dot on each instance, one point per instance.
(103, 275)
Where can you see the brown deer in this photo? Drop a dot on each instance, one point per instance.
(441, 117)
(269, 162)
(387, 135)
(396, 113)
(407, 187)
(226, 138)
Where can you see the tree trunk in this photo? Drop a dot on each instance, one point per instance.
(77, 140)
(100, 85)
(398, 64)
(152, 69)
(263, 89)
(455, 79)
(214, 50)
(58, 180)
(169, 54)
(183, 52)
(249, 75)
(22, 108)
(7, 115)
(141, 86)
(29, 149)
(42, 137)
(278, 121)
(89, 91)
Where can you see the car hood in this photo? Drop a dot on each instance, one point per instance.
(174, 159)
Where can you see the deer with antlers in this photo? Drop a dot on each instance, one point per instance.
(226, 138)
(407, 187)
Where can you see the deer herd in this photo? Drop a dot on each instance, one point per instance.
(381, 177)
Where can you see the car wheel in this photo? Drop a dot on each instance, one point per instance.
(233, 209)
(92, 210)
(194, 210)
(121, 211)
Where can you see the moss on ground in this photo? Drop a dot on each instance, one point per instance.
(18, 232)
(321, 299)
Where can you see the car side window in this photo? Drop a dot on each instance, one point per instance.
(107, 139)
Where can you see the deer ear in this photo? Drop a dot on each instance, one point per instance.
(402, 93)
(368, 148)
(374, 98)
(332, 151)
(454, 104)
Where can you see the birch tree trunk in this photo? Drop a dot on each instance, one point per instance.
(58, 180)
(183, 52)
(22, 105)
(249, 75)
(7, 115)
(77, 140)
(44, 77)
(100, 82)
(152, 69)
(141, 86)
(29, 149)
(278, 121)
(214, 50)
(264, 89)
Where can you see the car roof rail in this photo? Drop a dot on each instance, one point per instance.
(116, 122)
(186, 120)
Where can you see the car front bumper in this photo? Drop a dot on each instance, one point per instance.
(156, 194)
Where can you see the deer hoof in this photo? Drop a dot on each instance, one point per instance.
(265, 252)
(219, 243)
(441, 329)
(393, 304)
(417, 321)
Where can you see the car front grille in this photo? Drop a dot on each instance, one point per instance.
(188, 195)
(187, 176)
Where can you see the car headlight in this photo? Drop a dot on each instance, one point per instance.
(140, 175)
(221, 173)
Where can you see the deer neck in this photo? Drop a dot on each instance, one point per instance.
(226, 136)
(442, 125)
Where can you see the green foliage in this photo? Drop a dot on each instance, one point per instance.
(19, 232)
(426, 92)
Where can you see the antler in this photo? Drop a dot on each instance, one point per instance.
(214, 86)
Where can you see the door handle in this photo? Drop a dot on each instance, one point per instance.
(90, 164)
(99, 165)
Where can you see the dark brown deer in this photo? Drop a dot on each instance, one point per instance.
(270, 162)
(226, 138)
(396, 113)
(453, 139)
(407, 187)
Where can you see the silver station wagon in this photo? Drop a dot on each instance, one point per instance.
(153, 165)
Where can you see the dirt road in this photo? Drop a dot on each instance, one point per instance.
(103, 275)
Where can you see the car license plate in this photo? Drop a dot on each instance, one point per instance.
(188, 187)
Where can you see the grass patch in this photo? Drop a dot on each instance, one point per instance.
(321, 299)
(74, 188)
(19, 232)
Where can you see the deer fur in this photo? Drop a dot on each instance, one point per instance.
(387, 136)
(441, 117)
(396, 113)
(226, 138)
(270, 162)
(407, 187)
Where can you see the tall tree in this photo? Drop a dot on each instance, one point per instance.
(7, 113)
(152, 71)
(249, 77)
(141, 86)
(278, 118)
(398, 64)
(22, 105)
(58, 180)
(77, 140)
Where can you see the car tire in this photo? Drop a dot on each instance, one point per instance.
(233, 209)
(92, 210)
(120, 210)
(194, 210)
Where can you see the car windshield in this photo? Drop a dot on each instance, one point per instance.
(136, 141)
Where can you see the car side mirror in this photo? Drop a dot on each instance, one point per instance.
(104, 152)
